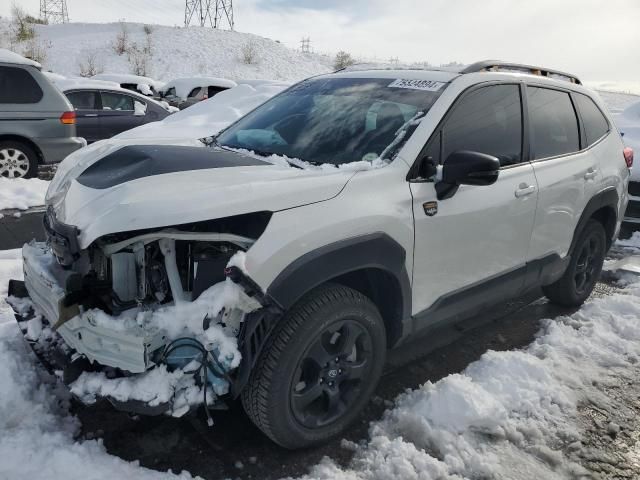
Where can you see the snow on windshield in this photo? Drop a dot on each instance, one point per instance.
(335, 120)
(183, 86)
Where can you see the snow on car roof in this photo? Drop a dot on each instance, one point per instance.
(7, 56)
(120, 78)
(184, 85)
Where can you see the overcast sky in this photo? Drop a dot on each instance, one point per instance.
(595, 39)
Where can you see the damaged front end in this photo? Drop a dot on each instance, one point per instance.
(155, 321)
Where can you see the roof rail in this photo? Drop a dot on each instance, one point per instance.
(497, 65)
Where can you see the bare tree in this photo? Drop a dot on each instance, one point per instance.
(250, 53)
(21, 27)
(121, 45)
(140, 57)
(90, 65)
(36, 49)
(343, 60)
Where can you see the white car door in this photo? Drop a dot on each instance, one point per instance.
(472, 247)
(567, 177)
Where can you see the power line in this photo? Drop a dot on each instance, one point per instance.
(305, 45)
(214, 13)
(54, 11)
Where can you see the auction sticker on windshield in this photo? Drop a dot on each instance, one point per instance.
(428, 85)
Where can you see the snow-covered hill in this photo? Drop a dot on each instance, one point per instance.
(177, 52)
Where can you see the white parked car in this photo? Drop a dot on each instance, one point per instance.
(280, 260)
(184, 92)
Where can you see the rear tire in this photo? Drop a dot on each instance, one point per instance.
(583, 271)
(17, 160)
(318, 369)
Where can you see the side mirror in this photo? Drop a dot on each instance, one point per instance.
(464, 167)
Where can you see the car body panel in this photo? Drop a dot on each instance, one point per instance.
(39, 123)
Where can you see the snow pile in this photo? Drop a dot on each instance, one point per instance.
(144, 84)
(157, 387)
(21, 193)
(177, 52)
(37, 435)
(207, 118)
(510, 414)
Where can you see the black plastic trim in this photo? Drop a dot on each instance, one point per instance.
(374, 251)
(138, 161)
(466, 302)
(607, 198)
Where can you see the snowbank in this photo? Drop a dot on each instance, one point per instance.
(207, 118)
(177, 52)
(20, 193)
(38, 437)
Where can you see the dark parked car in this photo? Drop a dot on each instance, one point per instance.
(105, 112)
(37, 124)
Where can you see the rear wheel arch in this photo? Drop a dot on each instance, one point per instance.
(602, 208)
(372, 264)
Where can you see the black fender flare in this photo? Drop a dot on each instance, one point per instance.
(372, 251)
(607, 198)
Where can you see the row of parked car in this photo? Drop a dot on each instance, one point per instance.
(44, 117)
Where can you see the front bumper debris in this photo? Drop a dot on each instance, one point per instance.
(129, 349)
(58, 358)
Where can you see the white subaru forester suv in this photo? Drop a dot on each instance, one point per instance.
(280, 260)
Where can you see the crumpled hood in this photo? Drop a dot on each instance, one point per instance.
(121, 185)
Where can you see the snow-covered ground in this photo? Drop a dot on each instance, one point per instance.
(37, 435)
(511, 415)
(177, 52)
(20, 193)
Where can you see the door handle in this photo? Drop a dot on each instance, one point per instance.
(591, 174)
(524, 190)
(90, 114)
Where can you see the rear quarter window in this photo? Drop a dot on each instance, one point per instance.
(553, 123)
(595, 124)
(17, 85)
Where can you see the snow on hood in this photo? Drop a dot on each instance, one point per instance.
(180, 196)
(208, 117)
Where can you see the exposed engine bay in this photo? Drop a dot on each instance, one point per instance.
(150, 319)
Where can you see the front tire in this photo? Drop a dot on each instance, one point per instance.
(583, 271)
(17, 160)
(318, 369)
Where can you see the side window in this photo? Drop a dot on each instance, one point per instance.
(18, 86)
(117, 101)
(83, 100)
(595, 124)
(171, 92)
(488, 120)
(554, 125)
(213, 91)
(194, 92)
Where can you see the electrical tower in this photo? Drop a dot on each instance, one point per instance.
(214, 13)
(54, 11)
(305, 45)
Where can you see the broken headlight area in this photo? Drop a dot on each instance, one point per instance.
(149, 318)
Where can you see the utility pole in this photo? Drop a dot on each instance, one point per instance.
(54, 11)
(213, 13)
(305, 45)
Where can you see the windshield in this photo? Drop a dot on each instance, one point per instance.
(335, 120)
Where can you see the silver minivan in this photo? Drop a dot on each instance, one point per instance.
(37, 122)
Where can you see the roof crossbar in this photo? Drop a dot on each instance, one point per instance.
(497, 66)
